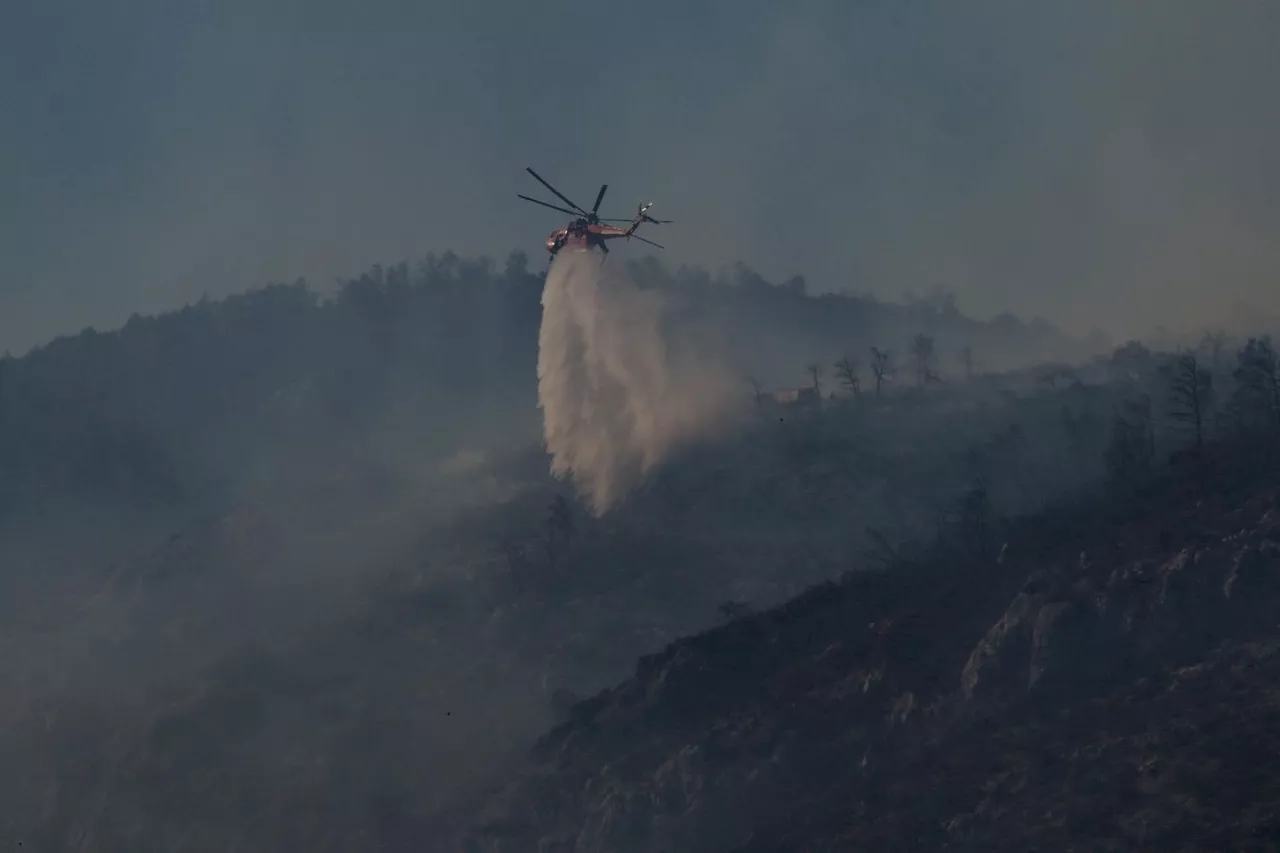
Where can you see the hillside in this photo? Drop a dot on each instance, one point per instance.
(343, 594)
(1104, 680)
(413, 649)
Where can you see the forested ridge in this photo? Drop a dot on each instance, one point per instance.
(169, 407)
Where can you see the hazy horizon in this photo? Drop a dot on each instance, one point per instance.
(1094, 164)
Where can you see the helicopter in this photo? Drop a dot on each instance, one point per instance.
(588, 230)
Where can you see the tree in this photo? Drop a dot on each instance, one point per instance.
(1190, 396)
(517, 266)
(1213, 342)
(756, 389)
(815, 375)
(795, 286)
(1257, 394)
(881, 367)
(1076, 426)
(966, 361)
(1130, 361)
(1131, 450)
(847, 370)
(942, 301)
(1052, 375)
(924, 359)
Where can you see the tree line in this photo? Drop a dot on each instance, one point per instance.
(168, 405)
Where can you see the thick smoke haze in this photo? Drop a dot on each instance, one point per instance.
(615, 399)
(1100, 164)
(285, 571)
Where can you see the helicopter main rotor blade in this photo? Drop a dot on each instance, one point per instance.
(596, 207)
(552, 206)
(650, 242)
(556, 192)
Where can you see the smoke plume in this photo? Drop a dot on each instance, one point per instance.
(616, 399)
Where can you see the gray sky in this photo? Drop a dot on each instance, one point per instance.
(1080, 159)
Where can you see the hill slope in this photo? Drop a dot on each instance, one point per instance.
(271, 580)
(1108, 682)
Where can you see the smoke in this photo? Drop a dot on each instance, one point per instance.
(616, 398)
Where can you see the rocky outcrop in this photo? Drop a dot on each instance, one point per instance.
(1024, 703)
(1103, 618)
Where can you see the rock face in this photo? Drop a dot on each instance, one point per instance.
(1121, 697)
(1103, 619)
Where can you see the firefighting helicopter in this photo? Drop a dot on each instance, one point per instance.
(586, 231)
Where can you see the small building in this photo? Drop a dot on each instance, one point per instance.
(807, 396)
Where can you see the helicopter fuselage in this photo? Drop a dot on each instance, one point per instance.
(580, 236)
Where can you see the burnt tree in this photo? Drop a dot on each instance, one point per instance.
(1190, 398)
(815, 376)
(847, 372)
(881, 367)
(924, 357)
